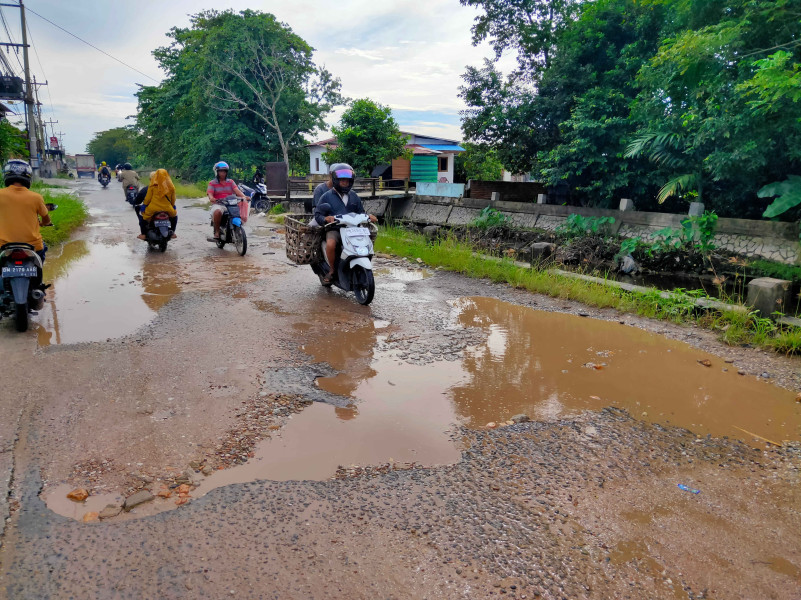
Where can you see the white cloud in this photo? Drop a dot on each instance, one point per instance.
(409, 55)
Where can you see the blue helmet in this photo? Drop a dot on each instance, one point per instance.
(221, 166)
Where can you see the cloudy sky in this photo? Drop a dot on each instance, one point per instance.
(409, 55)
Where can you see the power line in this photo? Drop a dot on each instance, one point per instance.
(36, 52)
(91, 45)
(10, 38)
(787, 45)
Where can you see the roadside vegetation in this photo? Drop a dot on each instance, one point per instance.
(736, 327)
(70, 215)
(190, 190)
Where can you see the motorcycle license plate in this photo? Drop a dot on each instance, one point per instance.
(19, 272)
(355, 232)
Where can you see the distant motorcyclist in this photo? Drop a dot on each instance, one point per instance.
(220, 188)
(129, 177)
(21, 208)
(159, 197)
(258, 177)
(118, 171)
(103, 171)
(338, 201)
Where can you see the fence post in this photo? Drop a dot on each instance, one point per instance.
(381, 183)
(288, 189)
(406, 185)
(373, 182)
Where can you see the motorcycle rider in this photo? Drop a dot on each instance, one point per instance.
(129, 177)
(21, 208)
(338, 201)
(159, 197)
(219, 188)
(321, 189)
(103, 170)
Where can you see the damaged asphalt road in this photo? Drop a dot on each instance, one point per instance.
(221, 363)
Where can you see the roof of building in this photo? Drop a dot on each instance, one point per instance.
(444, 147)
(419, 150)
(451, 145)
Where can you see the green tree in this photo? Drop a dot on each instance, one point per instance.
(478, 161)
(367, 136)
(114, 146)
(240, 87)
(13, 142)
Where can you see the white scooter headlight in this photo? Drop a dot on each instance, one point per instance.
(362, 251)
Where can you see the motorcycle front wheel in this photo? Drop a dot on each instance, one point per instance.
(363, 285)
(21, 316)
(240, 240)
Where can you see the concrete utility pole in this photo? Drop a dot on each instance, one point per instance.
(29, 103)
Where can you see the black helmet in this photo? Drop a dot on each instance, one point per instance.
(127, 167)
(17, 171)
(342, 177)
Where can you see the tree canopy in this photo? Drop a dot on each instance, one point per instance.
(115, 146)
(367, 136)
(240, 87)
(656, 100)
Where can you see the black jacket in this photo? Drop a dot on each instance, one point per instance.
(337, 207)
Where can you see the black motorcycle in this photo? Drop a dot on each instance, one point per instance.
(159, 231)
(104, 179)
(231, 229)
(259, 200)
(130, 195)
(21, 287)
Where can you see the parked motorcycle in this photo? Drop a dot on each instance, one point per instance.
(231, 229)
(259, 200)
(21, 287)
(353, 265)
(159, 231)
(104, 180)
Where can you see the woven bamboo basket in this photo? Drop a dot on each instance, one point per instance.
(302, 242)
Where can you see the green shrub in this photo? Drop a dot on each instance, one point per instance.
(575, 226)
(489, 217)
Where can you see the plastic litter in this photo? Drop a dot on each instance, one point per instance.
(688, 489)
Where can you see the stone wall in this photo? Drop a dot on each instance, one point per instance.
(513, 191)
(753, 239)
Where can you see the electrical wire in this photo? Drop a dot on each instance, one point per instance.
(787, 45)
(47, 87)
(90, 45)
(11, 39)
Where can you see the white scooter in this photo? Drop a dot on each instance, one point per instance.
(354, 266)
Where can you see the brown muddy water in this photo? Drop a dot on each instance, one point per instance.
(545, 365)
(107, 291)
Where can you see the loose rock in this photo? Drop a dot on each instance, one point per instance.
(138, 498)
(78, 495)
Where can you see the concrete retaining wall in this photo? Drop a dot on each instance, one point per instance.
(442, 190)
(753, 239)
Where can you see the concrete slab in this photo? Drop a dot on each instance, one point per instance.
(444, 190)
(462, 216)
(525, 220)
(769, 295)
(377, 207)
(436, 214)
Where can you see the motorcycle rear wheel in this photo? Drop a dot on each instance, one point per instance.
(163, 245)
(363, 285)
(21, 316)
(240, 240)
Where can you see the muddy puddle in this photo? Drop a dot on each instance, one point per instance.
(544, 365)
(106, 291)
(405, 275)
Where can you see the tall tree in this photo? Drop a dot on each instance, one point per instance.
(367, 136)
(195, 117)
(114, 146)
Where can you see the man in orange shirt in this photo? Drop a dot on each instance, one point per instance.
(20, 208)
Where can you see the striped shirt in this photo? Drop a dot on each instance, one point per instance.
(220, 190)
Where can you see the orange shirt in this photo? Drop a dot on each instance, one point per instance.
(20, 210)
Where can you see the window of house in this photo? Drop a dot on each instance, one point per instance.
(317, 164)
(443, 163)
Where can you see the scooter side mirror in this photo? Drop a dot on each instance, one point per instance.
(50, 206)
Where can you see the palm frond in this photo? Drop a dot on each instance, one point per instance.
(675, 186)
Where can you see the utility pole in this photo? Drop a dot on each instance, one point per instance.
(29, 104)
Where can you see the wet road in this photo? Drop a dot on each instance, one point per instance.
(302, 446)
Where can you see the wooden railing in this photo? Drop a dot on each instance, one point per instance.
(362, 185)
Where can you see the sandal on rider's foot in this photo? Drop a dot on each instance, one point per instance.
(328, 279)
(141, 236)
(173, 236)
(213, 239)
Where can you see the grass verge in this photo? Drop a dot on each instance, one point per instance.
(70, 215)
(190, 190)
(736, 328)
